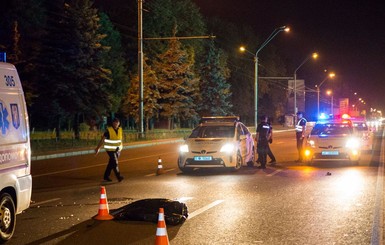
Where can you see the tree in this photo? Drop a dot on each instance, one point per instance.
(161, 18)
(74, 78)
(22, 28)
(178, 85)
(130, 105)
(113, 59)
(213, 84)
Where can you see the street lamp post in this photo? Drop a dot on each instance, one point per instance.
(331, 75)
(272, 35)
(329, 92)
(314, 56)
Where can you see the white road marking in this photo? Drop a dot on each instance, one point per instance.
(43, 202)
(378, 219)
(165, 170)
(97, 165)
(183, 199)
(205, 208)
(275, 172)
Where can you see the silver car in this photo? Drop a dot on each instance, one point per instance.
(333, 140)
(217, 142)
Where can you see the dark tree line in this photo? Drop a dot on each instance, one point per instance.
(77, 60)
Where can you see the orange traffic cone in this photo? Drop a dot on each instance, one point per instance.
(103, 213)
(160, 169)
(161, 231)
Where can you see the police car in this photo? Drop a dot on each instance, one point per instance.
(218, 142)
(333, 140)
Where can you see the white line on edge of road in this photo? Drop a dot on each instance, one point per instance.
(205, 208)
(378, 219)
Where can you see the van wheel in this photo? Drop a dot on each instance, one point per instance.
(7, 217)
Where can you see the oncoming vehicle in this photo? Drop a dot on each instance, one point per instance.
(333, 140)
(217, 142)
(15, 160)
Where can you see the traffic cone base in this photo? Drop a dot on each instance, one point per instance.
(103, 213)
(161, 231)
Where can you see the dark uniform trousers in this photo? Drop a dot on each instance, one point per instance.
(112, 164)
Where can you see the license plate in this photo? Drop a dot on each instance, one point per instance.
(203, 158)
(330, 153)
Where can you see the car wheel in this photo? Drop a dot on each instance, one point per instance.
(238, 164)
(7, 217)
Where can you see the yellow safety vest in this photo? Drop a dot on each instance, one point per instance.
(115, 140)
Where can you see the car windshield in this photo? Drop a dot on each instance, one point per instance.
(331, 129)
(213, 132)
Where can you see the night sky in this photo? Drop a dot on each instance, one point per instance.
(349, 36)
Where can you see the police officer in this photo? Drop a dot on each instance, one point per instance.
(263, 136)
(300, 128)
(113, 144)
(269, 152)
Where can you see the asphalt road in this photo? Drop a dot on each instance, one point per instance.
(289, 203)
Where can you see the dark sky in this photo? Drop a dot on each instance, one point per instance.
(349, 36)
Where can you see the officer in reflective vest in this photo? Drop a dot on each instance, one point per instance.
(113, 144)
(300, 128)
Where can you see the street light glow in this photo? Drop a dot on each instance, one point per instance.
(243, 49)
(330, 75)
(314, 56)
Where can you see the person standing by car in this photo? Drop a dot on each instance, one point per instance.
(300, 128)
(262, 137)
(113, 144)
(269, 152)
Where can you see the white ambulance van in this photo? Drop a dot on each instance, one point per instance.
(15, 151)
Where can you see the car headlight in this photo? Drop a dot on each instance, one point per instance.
(227, 148)
(183, 148)
(311, 143)
(353, 143)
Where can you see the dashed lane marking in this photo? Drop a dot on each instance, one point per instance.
(275, 172)
(205, 208)
(165, 170)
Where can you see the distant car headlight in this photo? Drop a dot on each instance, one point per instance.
(183, 148)
(353, 143)
(227, 148)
